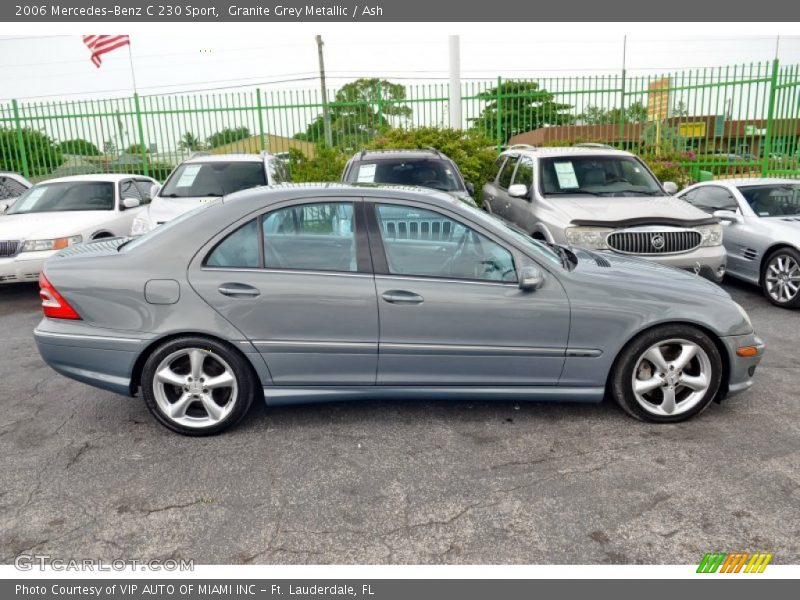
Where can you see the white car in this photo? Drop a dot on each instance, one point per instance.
(12, 186)
(61, 212)
(202, 178)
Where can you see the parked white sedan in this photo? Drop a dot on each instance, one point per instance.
(61, 212)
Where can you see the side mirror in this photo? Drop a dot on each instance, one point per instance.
(518, 190)
(470, 188)
(670, 187)
(530, 278)
(728, 216)
(154, 189)
(130, 203)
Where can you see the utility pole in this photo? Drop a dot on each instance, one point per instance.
(326, 115)
(455, 82)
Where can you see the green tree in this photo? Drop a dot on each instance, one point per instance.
(636, 112)
(79, 147)
(190, 142)
(360, 111)
(42, 154)
(227, 136)
(109, 147)
(522, 106)
(136, 149)
(326, 165)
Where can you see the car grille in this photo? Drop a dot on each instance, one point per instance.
(9, 248)
(408, 229)
(654, 242)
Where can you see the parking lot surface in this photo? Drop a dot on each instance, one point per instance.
(88, 474)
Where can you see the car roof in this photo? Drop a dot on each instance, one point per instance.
(104, 177)
(749, 181)
(398, 153)
(562, 151)
(206, 158)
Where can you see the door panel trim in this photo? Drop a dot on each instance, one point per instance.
(318, 347)
(467, 350)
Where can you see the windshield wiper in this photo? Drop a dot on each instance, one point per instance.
(565, 255)
(572, 192)
(172, 196)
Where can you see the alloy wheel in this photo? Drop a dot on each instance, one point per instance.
(782, 278)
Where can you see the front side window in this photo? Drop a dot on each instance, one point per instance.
(10, 188)
(617, 176)
(434, 173)
(145, 186)
(508, 172)
(773, 200)
(424, 243)
(496, 168)
(711, 198)
(213, 178)
(524, 174)
(315, 237)
(66, 197)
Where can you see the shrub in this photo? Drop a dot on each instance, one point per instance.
(79, 147)
(41, 152)
(327, 165)
(670, 167)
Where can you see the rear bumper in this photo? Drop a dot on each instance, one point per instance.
(742, 369)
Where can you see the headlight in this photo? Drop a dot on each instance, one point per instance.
(54, 244)
(712, 234)
(593, 238)
(140, 226)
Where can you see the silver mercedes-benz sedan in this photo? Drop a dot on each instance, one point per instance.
(762, 233)
(331, 292)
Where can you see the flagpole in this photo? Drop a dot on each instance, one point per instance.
(133, 73)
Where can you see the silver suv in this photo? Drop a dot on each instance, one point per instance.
(603, 199)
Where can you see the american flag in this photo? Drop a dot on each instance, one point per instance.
(100, 44)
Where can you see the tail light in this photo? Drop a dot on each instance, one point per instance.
(53, 303)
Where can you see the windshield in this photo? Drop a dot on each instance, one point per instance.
(433, 173)
(197, 180)
(773, 200)
(65, 197)
(597, 176)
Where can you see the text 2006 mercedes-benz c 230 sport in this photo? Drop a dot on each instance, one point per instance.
(327, 292)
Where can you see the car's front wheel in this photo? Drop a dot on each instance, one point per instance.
(780, 278)
(197, 386)
(668, 374)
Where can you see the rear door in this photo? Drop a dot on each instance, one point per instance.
(297, 282)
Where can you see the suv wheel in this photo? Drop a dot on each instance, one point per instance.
(668, 374)
(780, 278)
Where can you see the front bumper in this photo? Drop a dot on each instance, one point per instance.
(708, 261)
(741, 369)
(24, 267)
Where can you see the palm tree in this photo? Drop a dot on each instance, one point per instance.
(190, 142)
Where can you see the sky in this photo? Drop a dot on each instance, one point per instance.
(52, 64)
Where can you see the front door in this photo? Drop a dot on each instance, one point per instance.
(451, 311)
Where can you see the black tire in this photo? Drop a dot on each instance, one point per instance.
(786, 253)
(216, 355)
(622, 375)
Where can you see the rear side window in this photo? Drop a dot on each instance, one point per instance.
(508, 171)
(239, 249)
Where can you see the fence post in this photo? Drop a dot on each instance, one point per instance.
(767, 149)
(499, 110)
(379, 90)
(23, 155)
(260, 118)
(141, 134)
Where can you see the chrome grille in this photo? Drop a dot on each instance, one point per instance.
(9, 248)
(654, 242)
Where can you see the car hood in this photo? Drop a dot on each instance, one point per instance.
(48, 225)
(634, 210)
(646, 277)
(162, 210)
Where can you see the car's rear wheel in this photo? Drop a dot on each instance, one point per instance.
(197, 386)
(668, 374)
(780, 278)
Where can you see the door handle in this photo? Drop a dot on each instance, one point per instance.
(238, 290)
(401, 297)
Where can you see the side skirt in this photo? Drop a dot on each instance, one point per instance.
(279, 396)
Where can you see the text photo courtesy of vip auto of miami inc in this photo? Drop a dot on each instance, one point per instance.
(353, 303)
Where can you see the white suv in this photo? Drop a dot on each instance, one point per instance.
(603, 199)
(204, 177)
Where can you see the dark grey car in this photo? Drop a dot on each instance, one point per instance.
(313, 293)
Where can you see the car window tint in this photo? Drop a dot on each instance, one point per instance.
(316, 237)
(144, 186)
(426, 243)
(239, 249)
(10, 188)
(508, 172)
(711, 198)
(524, 174)
(496, 168)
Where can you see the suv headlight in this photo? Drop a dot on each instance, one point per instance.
(593, 238)
(712, 234)
(140, 226)
(54, 244)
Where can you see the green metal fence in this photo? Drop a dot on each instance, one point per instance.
(737, 120)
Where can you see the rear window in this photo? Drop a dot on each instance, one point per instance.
(425, 172)
(196, 180)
